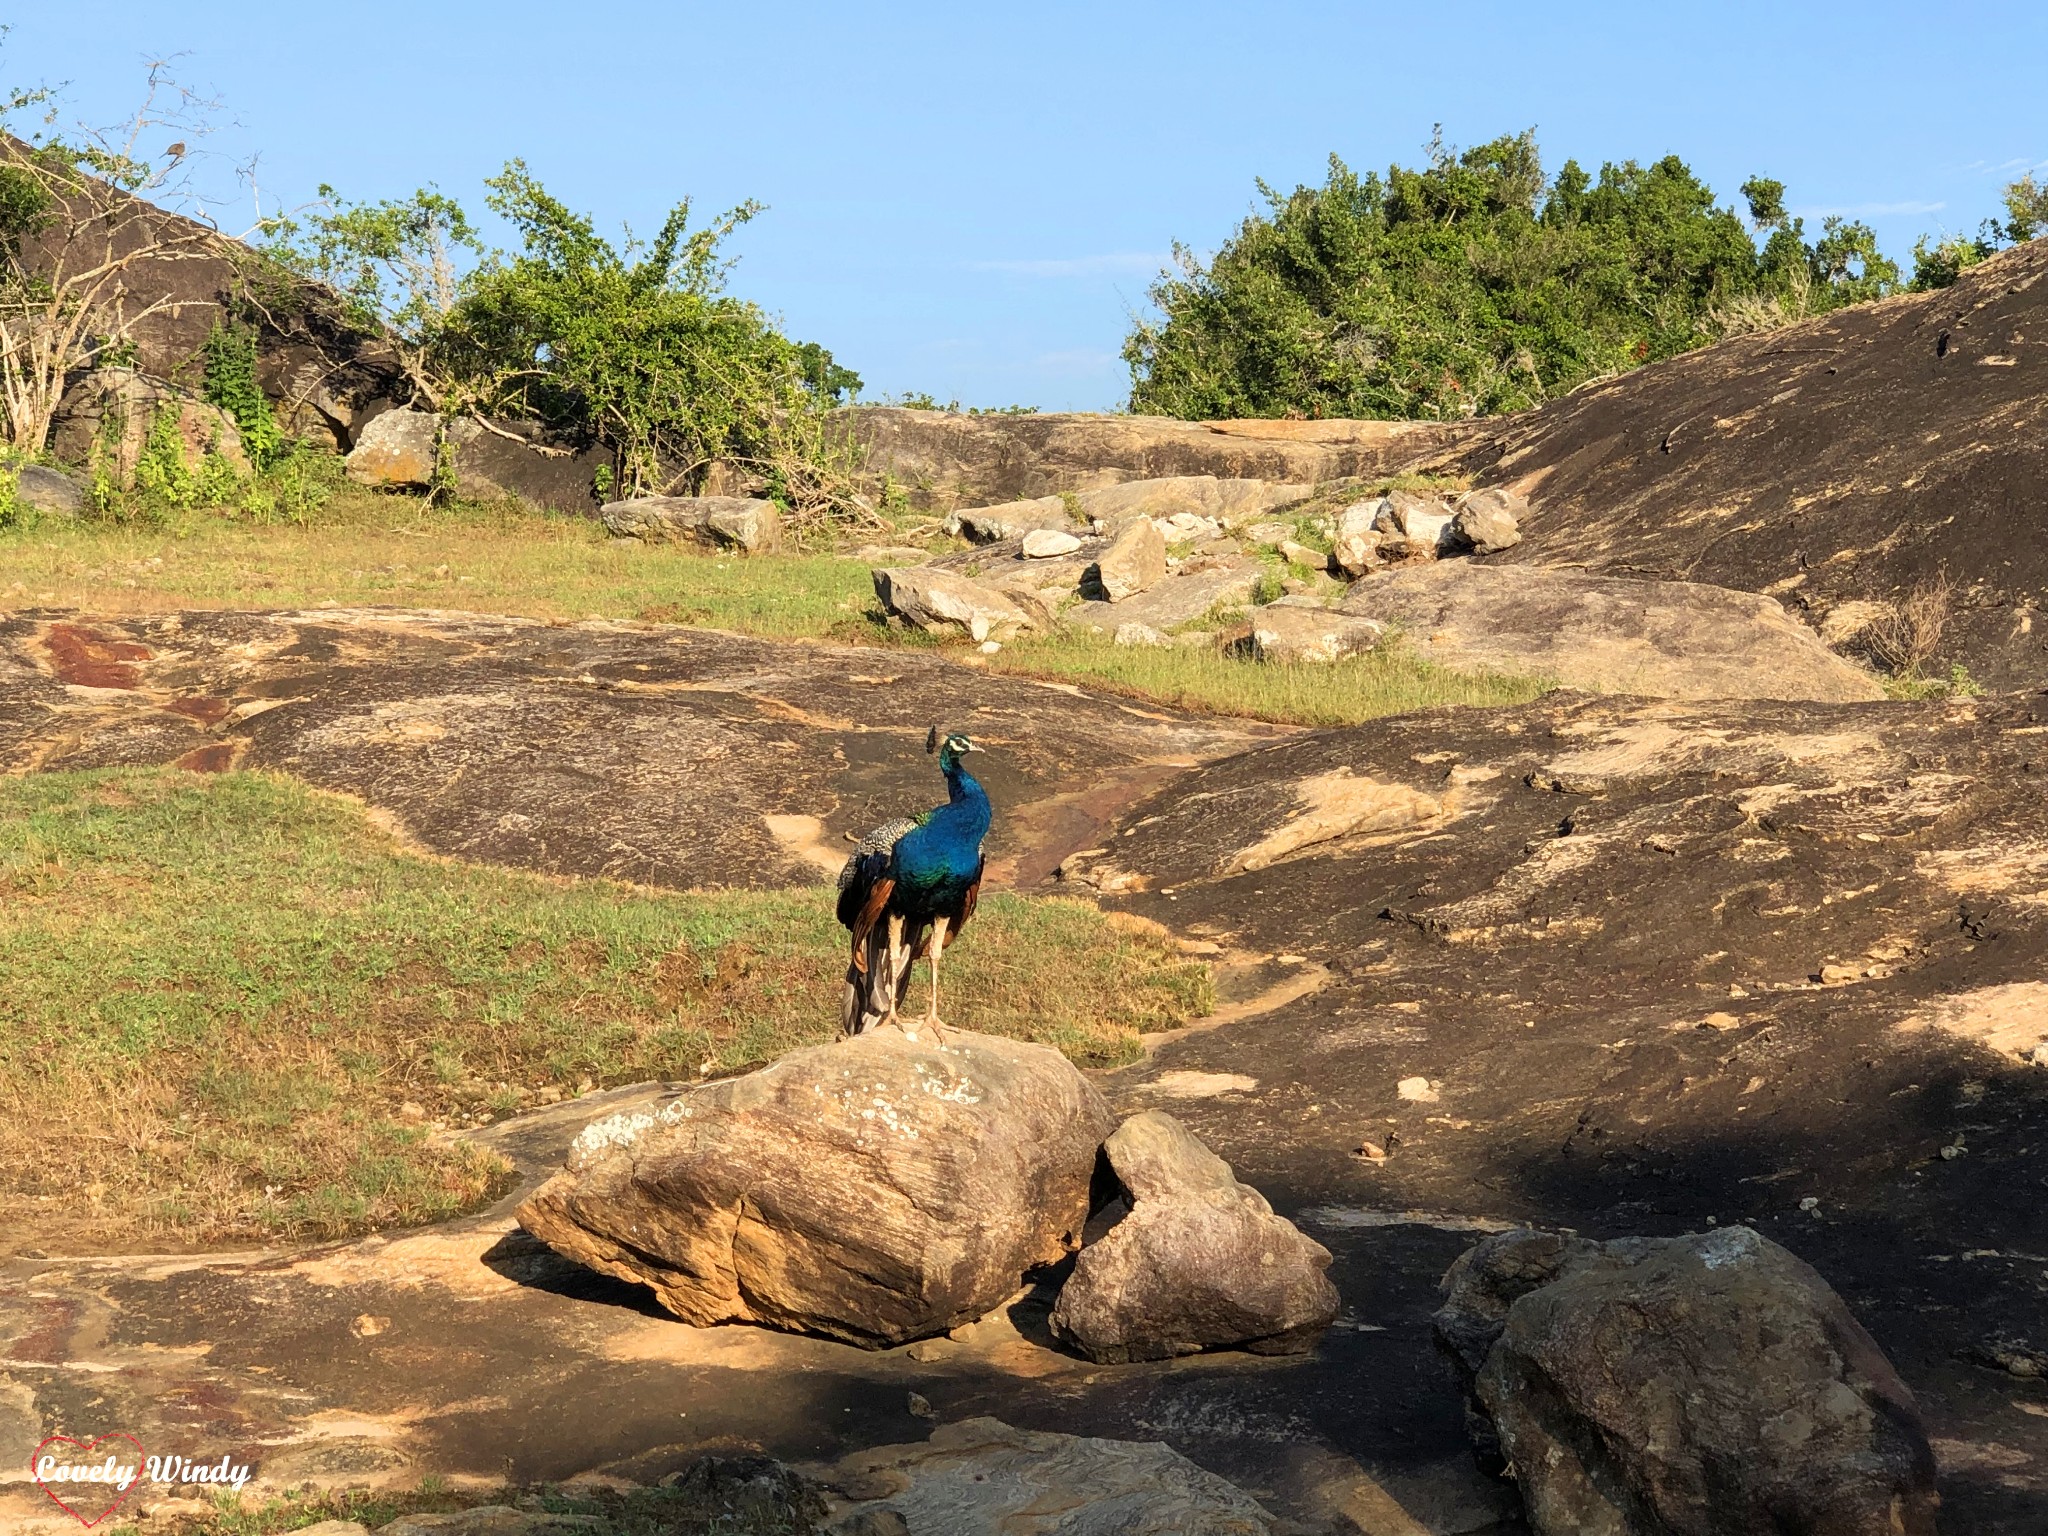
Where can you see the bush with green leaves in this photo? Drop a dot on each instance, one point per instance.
(1478, 284)
(1938, 263)
(635, 345)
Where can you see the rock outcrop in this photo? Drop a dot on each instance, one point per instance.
(980, 1475)
(1858, 457)
(947, 459)
(1708, 1385)
(877, 1191)
(1608, 634)
(1307, 631)
(748, 526)
(1199, 1262)
(1013, 519)
(107, 415)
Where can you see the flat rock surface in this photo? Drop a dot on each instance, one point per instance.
(1845, 459)
(1608, 634)
(646, 752)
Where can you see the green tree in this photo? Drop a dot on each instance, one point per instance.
(1476, 284)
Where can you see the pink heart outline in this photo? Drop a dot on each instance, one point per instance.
(35, 1459)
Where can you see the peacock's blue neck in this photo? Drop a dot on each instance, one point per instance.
(966, 813)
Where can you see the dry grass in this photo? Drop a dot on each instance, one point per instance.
(237, 1011)
(1905, 635)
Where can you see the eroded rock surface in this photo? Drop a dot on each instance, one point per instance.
(981, 1476)
(1609, 634)
(1706, 1385)
(1852, 458)
(749, 526)
(877, 1190)
(1199, 1262)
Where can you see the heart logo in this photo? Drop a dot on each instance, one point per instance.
(81, 1491)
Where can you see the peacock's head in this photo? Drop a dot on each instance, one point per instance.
(951, 748)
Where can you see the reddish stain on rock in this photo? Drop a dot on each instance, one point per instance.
(217, 758)
(205, 711)
(93, 660)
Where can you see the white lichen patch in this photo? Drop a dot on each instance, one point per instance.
(622, 1130)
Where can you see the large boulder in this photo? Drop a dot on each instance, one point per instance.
(980, 1477)
(717, 522)
(877, 1190)
(402, 450)
(107, 415)
(49, 490)
(945, 602)
(1307, 631)
(1608, 634)
(1707, 1385)
(1134, 560)
(1199, 1262)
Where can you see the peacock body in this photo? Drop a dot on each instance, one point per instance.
(908, 888)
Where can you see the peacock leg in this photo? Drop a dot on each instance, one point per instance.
(889, 974)
(931, 1016)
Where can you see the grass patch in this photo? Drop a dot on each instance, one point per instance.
(366, 548)
(236, 1010)
(1388, 681)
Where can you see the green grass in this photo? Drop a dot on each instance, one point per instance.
(1391, 680)
(236, 1010)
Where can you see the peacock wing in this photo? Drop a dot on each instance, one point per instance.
(870, 862)
(971, 899)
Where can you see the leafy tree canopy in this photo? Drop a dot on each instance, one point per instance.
(1477, 284)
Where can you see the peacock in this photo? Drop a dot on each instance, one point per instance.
(908, 889)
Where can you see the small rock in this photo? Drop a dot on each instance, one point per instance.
(1188, 528)
(1416, 1090)
(1269, 535)
(1810, 1203)
(369, 1325)
(991, 647)
(1488, 521)
(1303, 554)
(411, 1111)
(1284, 632)
(1134, 633)
(1049, 543)
(1357, 553)
(324, 1528)
(1135, 560)
(1833, 975)
(921, 1407)
(1200, 1262)
(1418, 525)
(483, 1520)
(1371, 1151)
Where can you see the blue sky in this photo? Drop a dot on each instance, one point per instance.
(970, 201)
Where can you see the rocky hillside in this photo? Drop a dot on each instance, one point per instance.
(1848, 460)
